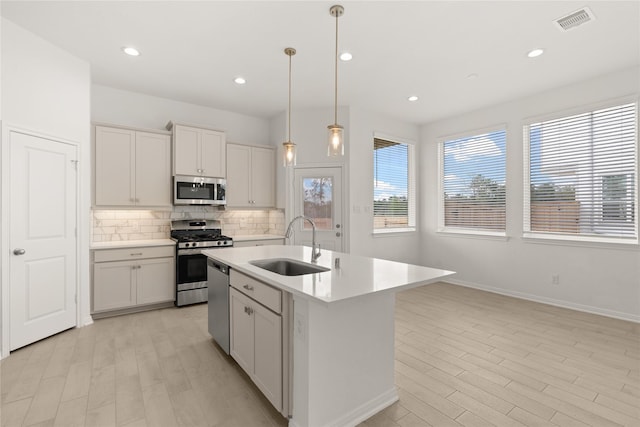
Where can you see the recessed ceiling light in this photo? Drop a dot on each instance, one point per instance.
(412, 98)
(132, 51)
(346, 56)
(240, 80)
(535, 52)
(472, 76)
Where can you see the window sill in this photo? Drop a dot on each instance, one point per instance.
(585, 241)
(474, 234)
(391, 232)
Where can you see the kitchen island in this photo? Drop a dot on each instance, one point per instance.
(341, 331)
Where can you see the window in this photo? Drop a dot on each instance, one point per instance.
(393, 186)
(318, 202)
(582, 175)
(473, 184)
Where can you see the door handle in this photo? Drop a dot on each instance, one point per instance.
(19, 251)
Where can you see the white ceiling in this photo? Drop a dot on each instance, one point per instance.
(192, 50)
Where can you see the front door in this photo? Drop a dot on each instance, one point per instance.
(42, 238)
(318, 195)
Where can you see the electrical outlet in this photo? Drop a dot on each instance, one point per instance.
(299, 326)
(555, 279)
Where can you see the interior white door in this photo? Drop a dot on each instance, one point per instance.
(42, 220)
(318, 195)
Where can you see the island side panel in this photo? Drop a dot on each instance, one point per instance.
(343, 360)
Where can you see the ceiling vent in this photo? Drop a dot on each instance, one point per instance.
(574, 19)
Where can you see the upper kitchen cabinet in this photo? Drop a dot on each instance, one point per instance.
(132, 168)
(198, 151)
(250, 176)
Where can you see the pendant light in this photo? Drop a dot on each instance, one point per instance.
(336, 136)
(289, 158)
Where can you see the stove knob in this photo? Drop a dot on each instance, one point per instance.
(219, 243)
(187, 245)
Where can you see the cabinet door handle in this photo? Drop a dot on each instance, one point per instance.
(247, 287)
(136, 254)
(248, 310)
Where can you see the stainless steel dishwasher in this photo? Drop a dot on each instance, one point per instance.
(218, 284)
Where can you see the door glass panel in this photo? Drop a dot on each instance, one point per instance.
(318, 202)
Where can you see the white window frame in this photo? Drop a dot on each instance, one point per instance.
(589, 240)
(471, 232)
(411, 188)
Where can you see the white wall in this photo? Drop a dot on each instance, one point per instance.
(596, 278)
(109, 105)
(398, 247)
(46, 90)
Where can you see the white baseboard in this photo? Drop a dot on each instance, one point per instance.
(367, 410)
(362, 412)
(550, 301)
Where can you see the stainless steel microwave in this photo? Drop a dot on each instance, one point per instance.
(198, 190)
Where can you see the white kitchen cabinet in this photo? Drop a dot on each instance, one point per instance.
(256, 334)
(132, 278)
(113, 285)
(242, 331)
(250, 176)
(155, 281)
(132, 168)
(198, 151)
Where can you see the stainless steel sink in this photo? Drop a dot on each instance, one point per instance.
(288, 267)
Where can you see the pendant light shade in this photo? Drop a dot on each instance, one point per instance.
(336, 134)
(336, 140)
(289, 148)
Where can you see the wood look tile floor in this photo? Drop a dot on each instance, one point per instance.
(463, 357)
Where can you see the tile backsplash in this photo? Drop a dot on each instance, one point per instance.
(110, 225)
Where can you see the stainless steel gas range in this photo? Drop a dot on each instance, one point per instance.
(192, 237)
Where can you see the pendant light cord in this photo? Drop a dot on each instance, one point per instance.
(335, 118)
(289, 131)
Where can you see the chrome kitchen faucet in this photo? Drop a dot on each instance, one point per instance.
(314, 254)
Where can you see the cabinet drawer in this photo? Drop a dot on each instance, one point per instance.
(125, 254)
(261, 242)
(266, 295)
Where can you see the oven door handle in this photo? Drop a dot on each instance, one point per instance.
(190, 251)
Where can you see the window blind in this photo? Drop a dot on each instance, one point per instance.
(474, 183)
(393, 185)
(583, 174)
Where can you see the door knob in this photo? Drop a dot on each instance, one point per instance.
(19, 251)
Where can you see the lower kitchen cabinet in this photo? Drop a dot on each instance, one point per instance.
(132, 278)
(256, 335)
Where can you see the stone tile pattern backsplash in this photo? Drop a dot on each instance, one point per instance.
(113, 225)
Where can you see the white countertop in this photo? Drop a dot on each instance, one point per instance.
(247, 237)
(357, 275)
(115, 244)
